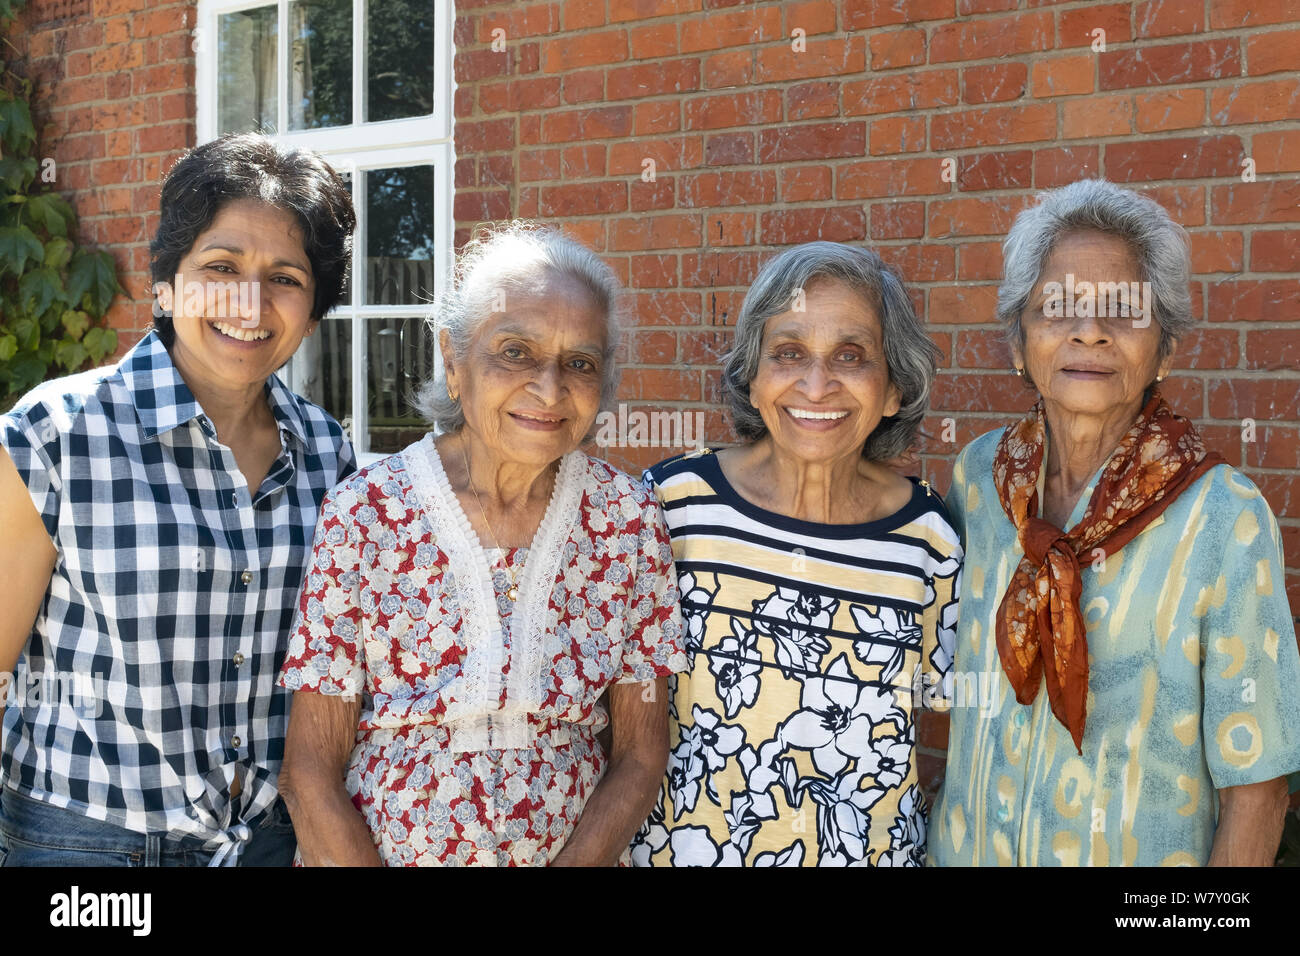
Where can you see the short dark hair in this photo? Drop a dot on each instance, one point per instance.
(253, 166)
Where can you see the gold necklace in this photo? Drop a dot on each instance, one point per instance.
(513, 591)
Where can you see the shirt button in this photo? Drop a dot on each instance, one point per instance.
(246, 577)
(235, 741)
(238, 659)
(234, 499)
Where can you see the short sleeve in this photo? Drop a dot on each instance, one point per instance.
(1250, 665)
(31, 437)
(652, 642)
(326, 651)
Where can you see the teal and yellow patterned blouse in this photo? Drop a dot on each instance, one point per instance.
(1194, 686)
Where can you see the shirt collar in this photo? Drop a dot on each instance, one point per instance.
(163, 401)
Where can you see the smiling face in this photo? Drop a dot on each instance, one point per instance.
(530, 382)
(1091, 365)
(246, 299)
(822, 384)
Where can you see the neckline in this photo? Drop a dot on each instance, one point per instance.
(717, 478)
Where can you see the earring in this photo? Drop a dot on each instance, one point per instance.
(1020, 370)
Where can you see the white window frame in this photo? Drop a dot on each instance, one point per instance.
(355, 148)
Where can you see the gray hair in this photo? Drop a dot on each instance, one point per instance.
(909, 354)
(503, 259)
(1159, 244)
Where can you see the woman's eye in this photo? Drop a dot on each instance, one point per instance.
(287, 280)
(848, 356)
(787, 354)
(583, 365)
(512, 352)
(219, 267)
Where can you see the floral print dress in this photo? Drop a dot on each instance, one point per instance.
(477, 740)
(812, 646)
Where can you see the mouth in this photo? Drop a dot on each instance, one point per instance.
(1085, 370)
(816, 418)
(539, 421)
(235, 333)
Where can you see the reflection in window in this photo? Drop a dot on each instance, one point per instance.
(246, 86)
(401, 360)
(399, 57)
(323, 369)
(399, 236)
(320, 63)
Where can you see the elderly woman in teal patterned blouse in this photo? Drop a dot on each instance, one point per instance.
(1126, 663)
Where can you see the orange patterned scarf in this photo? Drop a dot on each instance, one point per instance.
(1039, 619)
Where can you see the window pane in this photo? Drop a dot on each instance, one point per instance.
(320, 63)
(323, 369)
(399, 58)
(401, 361)
(399, 235)
(246, 92)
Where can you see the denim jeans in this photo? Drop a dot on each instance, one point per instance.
(34, 833)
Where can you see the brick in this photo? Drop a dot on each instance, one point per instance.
(1197, 157)
(1207, 349)
(1255, 102)
(584, 199)
(811, 16)
(665, 308)
(1231, 14)
(833, 57)
(653, 348)
(572, 125)
(812, 100)
(649, 119)
(731, 228)
(1004, 170)
(732, 28)
(897, 134)
(897, 220)
(1276, 151)
(653, 272)
(654, 232)
(897, 92)
(1164, 18)
(921, 263)
(1077, 26)
(622, 10)
(705, 348)
(1170, 63)
(802, 183)
(861, 14)
(583, 86)
(1068, 75)
(578, 14)
(1185, 204)
(890, 177)
(482, 206)
(734, 68)
(650, 79)
(751, 108)
(1217, 251)
(834, 224)
(652, 41)
(661, 385)
(992, 392)
(981, 349)
(999, 36)
(1170, 109)
(729, 149)
(728, 188)
(721, 268)
(993, 125)
(165, 138)
(1060, 165)
(897, 49)
(1274, 250)
(1097, 116)
(1273, 52)
(1282, 492)
(980, 260)
(660, 194)
(994, 83)
(566, 53)
(1274, 350)
(1256, 202)
(538, 19)
(582, 162)
(1258, 398)
(485, 135)
(974, 217)
(821, 141)
(967, 7)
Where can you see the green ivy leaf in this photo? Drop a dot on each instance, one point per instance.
(26, 371)
(71, 355)
(75, 322)
(17, 245)
(39, 289)
(99, 342)
(17, 174)
(93, 275)
(28, 333)
(51, 211)
(57, 252)
(15, 123)
(8, 347)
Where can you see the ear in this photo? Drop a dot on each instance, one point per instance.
(1167, 363)
(893, 400)
(448, 360)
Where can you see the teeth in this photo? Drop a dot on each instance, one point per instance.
(816, 416)
(244, 335)
(532, 418)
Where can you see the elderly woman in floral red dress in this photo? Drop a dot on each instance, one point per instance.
(473, 597)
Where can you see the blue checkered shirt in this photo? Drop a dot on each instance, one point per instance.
(150, 675)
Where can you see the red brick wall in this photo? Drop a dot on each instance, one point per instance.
(114, 107)
(757, 146)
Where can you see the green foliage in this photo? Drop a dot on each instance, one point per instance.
(52, 293)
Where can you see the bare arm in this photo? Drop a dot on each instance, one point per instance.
(1251, 818)
(623, 798)
(330, 829)
(26, 564)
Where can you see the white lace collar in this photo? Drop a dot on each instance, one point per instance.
(471, 579)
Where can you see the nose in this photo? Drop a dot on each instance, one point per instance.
(817, 381)
(249, 299)
(546, 385)
(1089, 330)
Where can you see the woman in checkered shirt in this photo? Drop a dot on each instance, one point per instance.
(158, 516)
